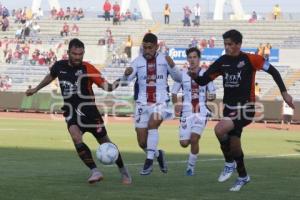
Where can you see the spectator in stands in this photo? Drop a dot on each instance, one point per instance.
(4, 23)
(39, 14)
(75, 30)
(7, 83)
(128, 15)
(253, 17)
(287, 114)
(110, 43)
(35, 29)
(197, 11)
(74, 14)
(260, 49)
(203, 43)
(187, 13)
(61, 14)
(135, 15)
(29, 15)
(267, 51)
(106, 9)
(5, 12)
(128, 46)
(53, 13)
(65, 30)
(80, 14)
(211, 42)
(67, 14)
(19, 32)
(194, 43)
(257, 91)
(167, 12)
(276, 12)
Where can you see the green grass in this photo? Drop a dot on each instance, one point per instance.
(38, 162)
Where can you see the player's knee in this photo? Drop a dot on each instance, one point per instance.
(184, 143)
(194, 141)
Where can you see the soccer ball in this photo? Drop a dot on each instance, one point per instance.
(107, 153)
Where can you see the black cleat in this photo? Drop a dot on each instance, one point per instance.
(148, 167)
(161, 159)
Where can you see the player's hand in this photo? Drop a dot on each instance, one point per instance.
(288, 99)
(128, 71)
(178, 109)
(30, 91)
(170, 61)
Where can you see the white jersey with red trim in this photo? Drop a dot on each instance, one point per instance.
(152, 79)
(190, 93)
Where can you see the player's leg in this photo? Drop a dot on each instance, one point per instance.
(193, 156)
(84, 153)
(152, 141)
(236, 148)
(237, 152)
(222, 130)
(197, 124)
(101, 135)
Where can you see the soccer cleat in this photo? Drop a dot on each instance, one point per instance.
(189, 171)
(227, 172)
(125, 175)
(95, 177)
(161, 159)
(239, 183)
(148, 167)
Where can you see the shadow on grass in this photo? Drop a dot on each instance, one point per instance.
(42, 174)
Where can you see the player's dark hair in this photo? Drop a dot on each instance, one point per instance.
(234, 35)
(76, 43)
(193, 49)
(150, 38)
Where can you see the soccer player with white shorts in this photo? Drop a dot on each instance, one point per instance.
(151, 70)
(194, 112)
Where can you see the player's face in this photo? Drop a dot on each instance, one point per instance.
(149, 50)
(75, 56)
(232, 48)
(193, 60)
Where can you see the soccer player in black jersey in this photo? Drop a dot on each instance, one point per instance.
(238, 71)
(80, 111)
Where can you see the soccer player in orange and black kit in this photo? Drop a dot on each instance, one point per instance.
(76, 78)
(238, 70)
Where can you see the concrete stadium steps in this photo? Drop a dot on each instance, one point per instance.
(281, 34)
(291, 80)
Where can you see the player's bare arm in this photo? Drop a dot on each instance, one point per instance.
(128, 71)
(170, 61)
(46, 81)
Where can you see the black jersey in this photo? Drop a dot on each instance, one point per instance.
(76, 84)
(238, 76)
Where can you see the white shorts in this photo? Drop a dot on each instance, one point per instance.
(193, 123)
(143, 112)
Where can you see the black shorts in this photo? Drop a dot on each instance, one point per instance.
(287, 118)
(241, 117)
(88, 120)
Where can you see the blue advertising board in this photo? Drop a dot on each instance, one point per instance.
(211, 54)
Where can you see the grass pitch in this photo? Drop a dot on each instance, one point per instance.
(38, 162)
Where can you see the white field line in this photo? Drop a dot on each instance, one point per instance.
(219, 159)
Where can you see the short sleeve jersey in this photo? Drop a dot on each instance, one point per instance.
(76, 82)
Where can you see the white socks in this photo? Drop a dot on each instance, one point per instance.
(192, 160)
(152, 142)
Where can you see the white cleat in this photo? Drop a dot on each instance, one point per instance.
(227, 172)
(239, 183)
(95, 177)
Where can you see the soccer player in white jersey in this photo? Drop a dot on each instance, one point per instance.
(151, 70)
(194, 111)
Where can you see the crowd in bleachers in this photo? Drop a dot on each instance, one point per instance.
(5, 83)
